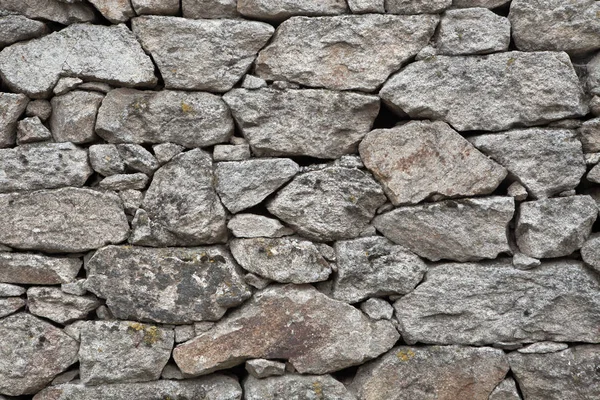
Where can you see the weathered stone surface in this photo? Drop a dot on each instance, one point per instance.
(472, 31)
(492, 93)
(331, 204)
(304, 122)
(12, 106)
(32, 353)
(123, 352)
(39, 108)
(119, 182)
(168, 285)
(76, 287)
(590, 252)
(210, 8)
(210, 55)
(102, 53)
(594, 174)
(555, 25)
(374, 266)
(295, 387)
(546, 161)
(164, 152)
(31, 130)
(191, 119)
(367, 6)
(74, 115)
(54, 304)
(568, 374)
(100, 87)
(53, 10)
(43, 166)
(213, 387)
(343, 52)
(432, 372)
(328, 335)
(589, 134)
(543, 347)
(377, 308)
(277, 10)
(132, 200)
(181, 207)
(462, 230)
(261, 368)
(524, 262)
(595, 105)
(156, 7)
(37, 269)
(243, 184)
(114, 10)
(65, 377)
(416, 6)
(137, 158)
(8, 290)
(555, 227)
(253, 226)
(478, 3)
(230, 152)
(253, 82)
(10, 305)
(422, 159)
(593, 72)
(105, 159)
(61, 220)
(183, 333)
(494, 302)
(16, 28)
(286, 260)
(506, 390)
(66, 84)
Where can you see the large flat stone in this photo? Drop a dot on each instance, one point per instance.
(37, 269)
(292, 386)
(278, 10)
(16, 28)
(63, 12)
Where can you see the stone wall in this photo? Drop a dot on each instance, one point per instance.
(299, 199)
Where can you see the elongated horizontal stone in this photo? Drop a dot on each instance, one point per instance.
(54, 304)
(16, 28)
(37, 269)
(62, 220)
(10, 305)
(295, 387)
(277, 10)
(416, 6)
(64, 12)
(494, 302)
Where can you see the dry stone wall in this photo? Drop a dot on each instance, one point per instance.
(299, 199)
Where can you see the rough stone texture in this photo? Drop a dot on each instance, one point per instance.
(213, 387)
(156, 7)
(478, 3)
(374, 266)
(123, 352)
(278, 10)
(183, 333)
(103, 53)
(8, 290)
(416, 6)
(37, 269)
(555, 227)
(546, 161)
(555, 25)
(16, 28)
(492, 93)
(295, 387)
(10, 305)
(421, 159)
(137, 181)
(472, 31)
(39, 108)
(191, 119)
(168, 285)
(12, 106)
(203, 54)
(367, 6)
(105, 159)
(524, 262)
(181, 207)
(261, 368)
(593, 70)
(31, 130)
(253, 226)
(74, 115)
(506, 390)
(32, 353)
(61, 220)
(76, 287)
(543, 347)
(209, 8)
(54, 304)
(589, 134)
(43, 166)
(431, 372)
(165, 152)
(590, 252)
(328, 335)
(114, 10)
(344, 52)
(494, 302)
(331, 204)
(594, 174)
(243, 184)
(377, 309)
(305, 122)
(228, 152)
(137, 158)
(568, 374)
(462, 230)
(286, 260)
(54, 10)
(66, 84)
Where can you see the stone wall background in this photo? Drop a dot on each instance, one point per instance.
(299, 199)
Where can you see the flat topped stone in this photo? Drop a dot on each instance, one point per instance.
(279, 10)
(63, 12)
(16, 28)
(293, 386)
(37, 269)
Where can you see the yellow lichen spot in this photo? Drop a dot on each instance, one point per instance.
(405, 355)
(136, 326)
(151, 335)
(186, 108)
(366, 253)
(352, 199)
(318, 389)
(510, 61)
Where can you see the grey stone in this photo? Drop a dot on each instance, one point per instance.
(277, 10)
(108, 54)
(432, 372)
(304, 122)
(568, 374)
(10, 305)
(593, 74)
(543, 347)
(210, 55)
(178, 286)
(9, 290)
(190, 119)
(257, 282)
(39, 108)
(114, 10)
(243, 184)
(374, 266)
(422, 159)
(76, 287)
(200, 327)
(137, 181)
(506, 390)
(589, 134)
(132, 200)
(123, 352)
(164, 152)
(261, 368)
(555, 25)
(590, 252)
(183, 333)
(328, 335)
(591, 158)
(524, 262)
(74, 115)
(17, 28)
(181, 207)
(286, 260)
(462, 230)
(331, 204)
(328, 253)
(377, 308)
(555, 227)
(478, 3)
(61, 220)
(54, 304)
(492, 92)
(171, 371)
(52, 10)
(594, 174)
(74, 329)
(344, 52)
(494, 302)
(32, 353)
(96, 87)
(12, 106)
(229, 152)
(43, 166)
(65, 377)
(105, 159)
(31, 130)
(37, 269)
(253, 82)
(595, 106)
(416, 6)
(213, 387)
(254, 226)
(155, 7)
(295, 387)
(367, 6)
(103, 313)
(209, 8)
(546, 161)
(472, 31)
(66, 84)
(137, 158)
(517, 191)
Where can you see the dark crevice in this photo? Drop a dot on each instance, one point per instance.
(386, 118)
(503, 10)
